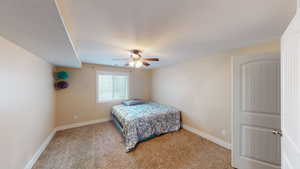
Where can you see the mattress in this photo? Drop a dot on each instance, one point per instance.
(143, 121)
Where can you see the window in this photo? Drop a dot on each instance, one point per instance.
(112, 86)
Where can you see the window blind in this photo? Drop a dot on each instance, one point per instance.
(112, 87)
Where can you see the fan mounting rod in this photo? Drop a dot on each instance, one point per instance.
(136, 51)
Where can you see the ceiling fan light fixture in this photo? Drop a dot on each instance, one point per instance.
(137, 61)
(138, 64)
(135, 56)
(131, 64)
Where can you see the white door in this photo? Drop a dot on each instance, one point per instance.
(290, 56)
(256, 111)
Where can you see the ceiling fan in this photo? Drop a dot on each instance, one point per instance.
(136, 60)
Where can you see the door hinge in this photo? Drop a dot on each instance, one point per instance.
(277, 132)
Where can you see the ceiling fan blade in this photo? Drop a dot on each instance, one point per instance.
(146, 63)
(151, 59)
(119, 58)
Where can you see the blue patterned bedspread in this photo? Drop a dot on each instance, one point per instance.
(146, 120)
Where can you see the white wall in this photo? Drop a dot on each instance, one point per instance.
(201, 88)
(27, 100)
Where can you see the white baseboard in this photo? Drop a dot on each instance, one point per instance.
(80, 124)
(41, 149)
(208, 137)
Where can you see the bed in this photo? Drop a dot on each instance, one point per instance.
(144, 121)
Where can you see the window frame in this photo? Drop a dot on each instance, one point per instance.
(116, 73)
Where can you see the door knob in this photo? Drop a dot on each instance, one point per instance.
(277, 132)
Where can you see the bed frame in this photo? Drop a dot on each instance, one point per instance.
(118, 125)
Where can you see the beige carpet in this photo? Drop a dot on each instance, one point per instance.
(100, 146)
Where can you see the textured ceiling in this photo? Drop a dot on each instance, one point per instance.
(36, 25)
(171, 29)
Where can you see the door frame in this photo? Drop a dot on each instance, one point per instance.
(235, 149)
(289, 161)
